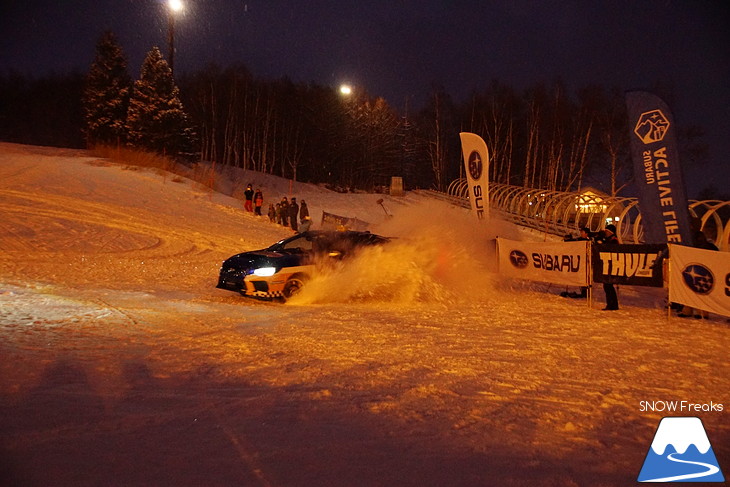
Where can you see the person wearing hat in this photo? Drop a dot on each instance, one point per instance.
(609, 237)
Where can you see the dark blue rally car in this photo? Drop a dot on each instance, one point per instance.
(281, 270)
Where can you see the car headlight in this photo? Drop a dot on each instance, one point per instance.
(264, 271)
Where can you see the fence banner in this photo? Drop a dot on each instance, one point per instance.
(662, 196)
(632, 265)
(330, 221)
(700, 278)
(554, 262)
(476, 162)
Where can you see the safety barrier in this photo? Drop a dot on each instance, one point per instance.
(561, 213)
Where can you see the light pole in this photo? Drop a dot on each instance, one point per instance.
(174, 6)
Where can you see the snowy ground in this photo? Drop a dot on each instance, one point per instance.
(121, 364)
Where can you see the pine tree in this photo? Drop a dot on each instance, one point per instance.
(156, 119)
(106, 94)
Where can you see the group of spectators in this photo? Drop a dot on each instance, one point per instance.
(286, 213)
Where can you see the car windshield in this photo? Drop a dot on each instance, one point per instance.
(299, 243)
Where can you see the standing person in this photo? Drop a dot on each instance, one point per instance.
(258, 201)
(306, 224)
(272, 213)
(248, 194)
(303, 211)
(294, 214)
(278, 213)
(608, 236)
(284, 211)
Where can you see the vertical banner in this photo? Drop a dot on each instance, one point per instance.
(476, 162)
(662, 196)
(700, 278)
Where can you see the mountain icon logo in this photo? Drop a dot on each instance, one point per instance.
(652, 126)
(680, 452)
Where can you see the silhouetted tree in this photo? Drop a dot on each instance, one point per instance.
(156, 119)
(106, 94)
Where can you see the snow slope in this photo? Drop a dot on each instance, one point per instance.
(121, 364)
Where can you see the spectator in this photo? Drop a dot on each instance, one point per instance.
(272, 213)
(303, 211)
(278, 213)
(294, 214)
(258, 201)
(306, 224)
(248, 194)
(608, 236)
(284, 211)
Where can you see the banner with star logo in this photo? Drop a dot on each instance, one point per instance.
(476, 162)
(700, 278)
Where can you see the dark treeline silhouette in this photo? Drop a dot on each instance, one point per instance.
(42, 111)
(543, 137)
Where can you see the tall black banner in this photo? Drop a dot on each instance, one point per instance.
(633, 265)
(662, 196)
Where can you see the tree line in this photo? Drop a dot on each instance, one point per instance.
(542, 137)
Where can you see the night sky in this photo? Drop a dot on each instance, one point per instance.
(399, 49)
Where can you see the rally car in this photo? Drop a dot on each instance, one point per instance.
(279, 271)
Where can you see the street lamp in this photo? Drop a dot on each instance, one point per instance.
(174, 7)
(345, 90)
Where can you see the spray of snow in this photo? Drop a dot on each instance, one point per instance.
(437, 255)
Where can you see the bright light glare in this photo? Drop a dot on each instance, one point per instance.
(346, 89)
(175, 5)
(264, 271)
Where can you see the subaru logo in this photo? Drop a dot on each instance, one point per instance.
(518, 259)
(698, 278)
(475, 165)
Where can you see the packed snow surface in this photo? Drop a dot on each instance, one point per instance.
(416, 364)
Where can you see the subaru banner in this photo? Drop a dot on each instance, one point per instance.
(662, 195)
(700, 278)
(476, 163)
(555, 262)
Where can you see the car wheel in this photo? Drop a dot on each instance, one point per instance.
(293, 286)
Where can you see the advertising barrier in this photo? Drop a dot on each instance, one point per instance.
(554, 262)
(700, 278)
(632, 265)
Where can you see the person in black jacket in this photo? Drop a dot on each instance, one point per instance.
(608, 236)
(294, 214)
(248, 194)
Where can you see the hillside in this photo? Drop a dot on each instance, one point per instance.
(123, 365)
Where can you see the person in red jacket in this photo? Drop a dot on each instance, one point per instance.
(258, 201)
